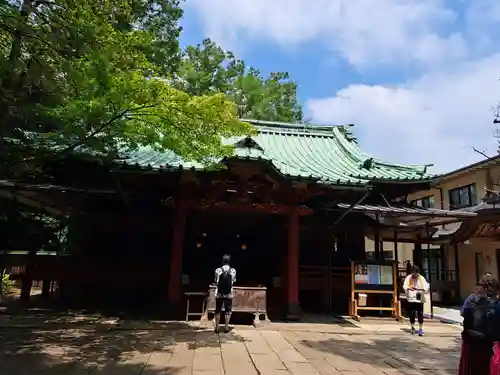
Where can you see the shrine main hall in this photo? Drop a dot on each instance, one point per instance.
(292, 206)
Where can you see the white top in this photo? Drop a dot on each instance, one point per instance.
(419, 284)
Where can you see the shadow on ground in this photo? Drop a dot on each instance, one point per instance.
(310, 318)
(421, 354)
(55, 309)
(128, 352)
(80, 342)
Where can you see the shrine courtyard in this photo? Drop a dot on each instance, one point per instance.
(73, 345)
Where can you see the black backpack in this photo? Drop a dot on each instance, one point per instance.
(225, 282)
(479, 322)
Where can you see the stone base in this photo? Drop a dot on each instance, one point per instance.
(257, 322)
(293, 312)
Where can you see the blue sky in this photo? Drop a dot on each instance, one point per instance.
(418, 78)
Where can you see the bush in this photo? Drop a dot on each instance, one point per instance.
(7, 284)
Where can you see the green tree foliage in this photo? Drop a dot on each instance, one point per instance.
(97, 74)
(30, 229)
(6, 284)
(104, 76)
(206, 69)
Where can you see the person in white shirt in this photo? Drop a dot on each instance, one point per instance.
(416, 287)
(225, 277)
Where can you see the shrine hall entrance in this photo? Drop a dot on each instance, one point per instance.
(257, 245)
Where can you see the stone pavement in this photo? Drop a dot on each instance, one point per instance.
(303, 349)
(448, 314)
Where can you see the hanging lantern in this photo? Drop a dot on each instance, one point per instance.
(243, 246)
(198, 244)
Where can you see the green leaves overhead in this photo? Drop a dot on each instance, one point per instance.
(106, 76)
(109, 75)
(89, 73)
(206, 69)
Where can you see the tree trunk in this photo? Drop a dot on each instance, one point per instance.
(17, 39)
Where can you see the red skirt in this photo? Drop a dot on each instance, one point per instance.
(474, 359)
(495, 360)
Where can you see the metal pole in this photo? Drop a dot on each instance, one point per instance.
(457, 272)
(381, 250)
(396, 257)
(429, 262)
(351, 207)
(377, 256)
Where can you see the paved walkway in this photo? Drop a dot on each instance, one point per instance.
(303, 349)
(448, 314)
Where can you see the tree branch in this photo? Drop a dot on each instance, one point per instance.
(90, 134)
(491, 158)
(48, 3)
(104, 126)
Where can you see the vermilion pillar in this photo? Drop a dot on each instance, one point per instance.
(175, 278)
(293, 266)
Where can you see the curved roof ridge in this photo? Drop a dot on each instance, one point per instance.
(297, 128)
(351, 149)
(343, 137)
(407, 167)
(354, 149)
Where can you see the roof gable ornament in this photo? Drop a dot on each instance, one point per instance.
(368, 164)
(345, 129)
(248, 142)
(424, 171)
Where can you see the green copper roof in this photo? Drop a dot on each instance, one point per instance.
(327, 154)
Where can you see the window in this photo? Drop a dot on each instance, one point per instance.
(463, 196)
(427, 202)
(432, 262)
(388, 255)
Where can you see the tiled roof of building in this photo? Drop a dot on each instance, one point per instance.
(326, 154)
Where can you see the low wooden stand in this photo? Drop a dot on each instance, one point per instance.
(354, 308)
(246, 299)
(188, 300)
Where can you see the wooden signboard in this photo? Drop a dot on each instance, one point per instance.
(369, 277)
(246, 299)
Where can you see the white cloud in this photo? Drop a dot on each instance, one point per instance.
(364, 32)
(482, 14)
(435, 119)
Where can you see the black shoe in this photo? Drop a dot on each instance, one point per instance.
(413, 331)
(216, 329)
(226, 329)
